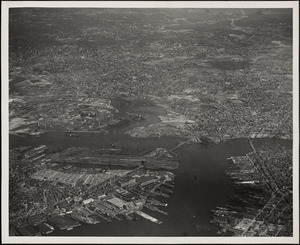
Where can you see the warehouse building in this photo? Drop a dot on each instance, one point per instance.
(118, 203)
(146, 180)
(127, 183)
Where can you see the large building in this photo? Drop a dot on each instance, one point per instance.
(118, 202)
(87, 201)
(127, 182)
(146, 180)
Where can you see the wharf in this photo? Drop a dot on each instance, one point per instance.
(63, 222)
(161, 211)
(156, 202)
(28, 230)
(106, 210)
(159, 193)
(83, 219)
(162, 164)
(96, 217)
(155, 209)
(128, 217)
(44, 228)
(164, 189)
(100, 214)
(168, 184)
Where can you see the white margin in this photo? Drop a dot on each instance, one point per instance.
(149, 4)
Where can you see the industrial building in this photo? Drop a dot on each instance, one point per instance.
(146, 180)
(87, 201)
(118, 202)
(127, 182)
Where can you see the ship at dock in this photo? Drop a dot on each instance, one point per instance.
(148, 217)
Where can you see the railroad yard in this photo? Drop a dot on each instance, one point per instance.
(54, 195)
(141, 85)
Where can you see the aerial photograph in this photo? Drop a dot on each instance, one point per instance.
(137, 122)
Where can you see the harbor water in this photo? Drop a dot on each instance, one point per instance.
(200, 184)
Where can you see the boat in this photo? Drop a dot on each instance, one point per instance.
(148, 217)
(49, 226)
(71, 134)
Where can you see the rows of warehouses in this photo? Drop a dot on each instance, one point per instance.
(90, 195)
(71, 178)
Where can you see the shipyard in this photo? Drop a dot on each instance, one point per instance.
(150, 122)
(69, 196)
(262, 204)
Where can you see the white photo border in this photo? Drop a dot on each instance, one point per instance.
(146, 4)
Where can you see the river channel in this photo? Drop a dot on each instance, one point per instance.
(200, 183)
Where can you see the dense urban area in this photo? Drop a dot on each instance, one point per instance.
(263, 202)
(52, 192)
(202, 76)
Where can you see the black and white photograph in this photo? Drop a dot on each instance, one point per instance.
(150, 122)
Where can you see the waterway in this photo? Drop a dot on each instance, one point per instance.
(200, 183)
